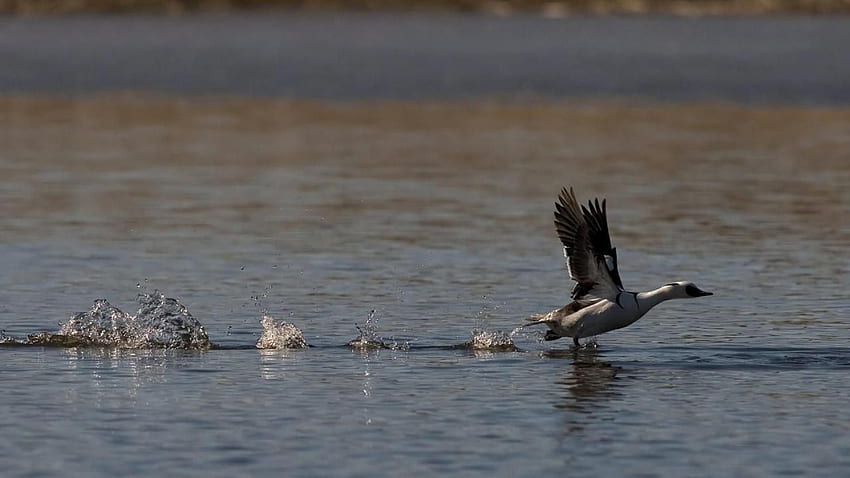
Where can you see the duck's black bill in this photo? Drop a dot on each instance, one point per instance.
(695, 292)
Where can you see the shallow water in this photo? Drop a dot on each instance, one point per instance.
(437, 216)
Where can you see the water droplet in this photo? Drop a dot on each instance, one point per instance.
(497, 340)
(278, 334)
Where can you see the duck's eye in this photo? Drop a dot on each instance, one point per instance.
(693, 291)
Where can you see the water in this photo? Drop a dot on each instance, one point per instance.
(406, 241)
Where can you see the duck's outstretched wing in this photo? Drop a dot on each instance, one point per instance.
(591, 260)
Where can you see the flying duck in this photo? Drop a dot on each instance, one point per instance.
(600, 303)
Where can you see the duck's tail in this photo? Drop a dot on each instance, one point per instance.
(537, 319)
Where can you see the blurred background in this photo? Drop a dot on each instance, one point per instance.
(548, 8)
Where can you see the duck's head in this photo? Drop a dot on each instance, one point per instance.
(685, 290)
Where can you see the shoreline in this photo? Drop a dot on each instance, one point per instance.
(549, 9)
(351, 56)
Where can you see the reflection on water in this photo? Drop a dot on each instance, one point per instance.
(110, 369)
(368, 356)
(275, 363)
(586, 391)
(589, 382)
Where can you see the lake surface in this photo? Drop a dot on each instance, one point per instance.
(438, 217)
(435, 214)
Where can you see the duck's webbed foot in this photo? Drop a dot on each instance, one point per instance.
(575, 342)
(551, 336)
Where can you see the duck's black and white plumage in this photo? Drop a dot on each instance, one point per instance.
(600, 303)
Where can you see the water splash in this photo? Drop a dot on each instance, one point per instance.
(161, 322)
(489, 309)
(537, 334)
(278, 334)
(590, 344)
(103, 324)
(368, 338)
(165, 322)
(261, 298)
(491, 340)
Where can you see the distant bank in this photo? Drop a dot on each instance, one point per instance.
(547, 8)
(432, 56)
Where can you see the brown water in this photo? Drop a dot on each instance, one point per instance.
(438, 216)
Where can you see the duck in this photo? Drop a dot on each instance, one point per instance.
(600, 303)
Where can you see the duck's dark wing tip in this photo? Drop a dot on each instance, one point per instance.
(596, 216)
(569, 221)
(583, 230)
